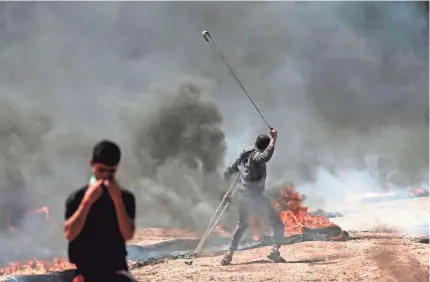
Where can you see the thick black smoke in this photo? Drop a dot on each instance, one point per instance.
(180, 126)
(178, 145)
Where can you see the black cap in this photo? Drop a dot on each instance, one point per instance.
(262, 142)
(107, 153)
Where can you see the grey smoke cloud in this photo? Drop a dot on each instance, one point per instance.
(180, 125)
(343, 83)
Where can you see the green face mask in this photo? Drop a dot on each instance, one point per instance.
(93, 180)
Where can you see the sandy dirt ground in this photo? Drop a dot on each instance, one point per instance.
(368, 257)
(149, 236)
(379, 254)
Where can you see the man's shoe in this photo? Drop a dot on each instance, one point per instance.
(226, 260)
(275, 256)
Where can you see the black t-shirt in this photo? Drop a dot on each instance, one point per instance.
(100, 244)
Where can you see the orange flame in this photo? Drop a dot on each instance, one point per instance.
(293, 215)
(258, 226)
(417, 192)
(31, 211)
(36, 266)
(44, 210)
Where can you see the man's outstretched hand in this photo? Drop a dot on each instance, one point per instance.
(228, 198)
(93, 192)
(273, 133)
(113, 189)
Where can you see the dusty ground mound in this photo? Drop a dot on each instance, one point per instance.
(368, 257)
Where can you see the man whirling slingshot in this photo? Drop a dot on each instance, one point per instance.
(251, 166)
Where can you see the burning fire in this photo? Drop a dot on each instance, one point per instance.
(294, 216)
(417, 192)
(42, 211)
(35, 266)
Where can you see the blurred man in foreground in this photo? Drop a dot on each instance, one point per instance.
(251, 166)
(99, 219)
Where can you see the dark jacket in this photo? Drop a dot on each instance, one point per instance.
(251, 166)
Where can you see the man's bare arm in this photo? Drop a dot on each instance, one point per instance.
(126, 224)
(73, 226)
(273, 141)
(266, 155)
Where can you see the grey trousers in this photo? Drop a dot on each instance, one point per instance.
(249, 204)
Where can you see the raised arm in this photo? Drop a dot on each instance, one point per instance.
(266, 155)
(77, 208)
(76, 216)
(125, 208)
